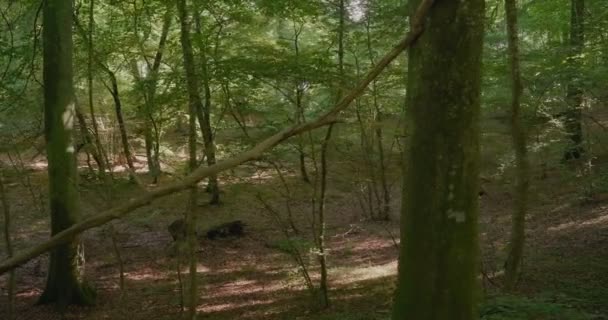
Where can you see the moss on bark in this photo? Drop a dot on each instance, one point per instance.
(66, 267)
(439, 252)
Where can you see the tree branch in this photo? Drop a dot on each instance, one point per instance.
(254, 153)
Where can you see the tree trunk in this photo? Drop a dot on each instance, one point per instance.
(384, 207)
(439, 241)
(574, 96)
(9, 249)
(299, 112)
(117, 105)
(149, 87)
(66, 266)
(204, 116)
(194, 105)
(102, 161)
(122, 127)
(518, 134)
(89, 143)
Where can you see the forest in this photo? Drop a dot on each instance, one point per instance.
(304, 159)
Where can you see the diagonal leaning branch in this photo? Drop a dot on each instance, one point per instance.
(417, 27)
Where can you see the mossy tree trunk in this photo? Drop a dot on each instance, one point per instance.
(64, 282)
(439, 242)
(518, 135)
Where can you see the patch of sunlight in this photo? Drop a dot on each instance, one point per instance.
(357, 10)
(147, 274)
(39, 165)
(29, 293)
(243, 286)
(599, 221)
(231, 306)
(262, 175)
(68, 117)
(561, 207)
(349, 275)
(562, 226)
(199, 268)
(372, 245)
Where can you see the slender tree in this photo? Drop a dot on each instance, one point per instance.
(194, 105)
(518, 135)
(439, 248)
(203, 111)
(148, 85)
(574, 95)
(66, 267)
(384, 203)
(115, 93)
(102, 157)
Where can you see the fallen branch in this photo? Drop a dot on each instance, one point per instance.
(251, 154)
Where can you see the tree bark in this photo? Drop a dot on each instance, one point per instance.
(323, 285)
(9, 248)
(574, 96)
(518, 135)
(204, 172)
(439, 240)
(102, 161)
(66, 266)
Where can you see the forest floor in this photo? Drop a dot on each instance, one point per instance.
(253, 276)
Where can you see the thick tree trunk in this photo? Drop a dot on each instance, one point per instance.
(574, 96)
(194, 105)
(66, 266)
(518, 134)
(439, 248)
